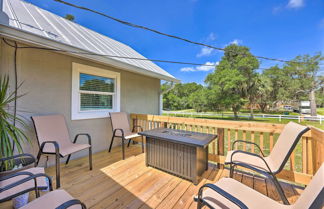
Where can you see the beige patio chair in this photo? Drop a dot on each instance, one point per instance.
(121, 129)
(271, 165)
(58, 199)
(21, 181)
(229, 193)
(54, 139)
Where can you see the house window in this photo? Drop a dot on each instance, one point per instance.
(95, 92)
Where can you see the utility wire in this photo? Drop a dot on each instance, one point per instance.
(113, 56)
(116, 56)
(162, 33)
(108, 55)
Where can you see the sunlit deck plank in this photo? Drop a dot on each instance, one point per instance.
(116, 183)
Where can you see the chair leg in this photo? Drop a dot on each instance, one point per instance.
(90, 157)
(142, 144)
(129, 142)
(58, 173)
(46, 163)
(231, 170)
(38, 157)
(68, 159)
(199, 204)
(280, 190)
(36, 189)
(123, 148)
(111, 143)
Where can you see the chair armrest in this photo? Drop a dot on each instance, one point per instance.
(248, 165)
(82, 134)
(12, 175)
(137, 126)
(119, 129)
(222, 192)
(247, 142)
(69, 203)
(56, 145)
(28, 178)
(18, 156)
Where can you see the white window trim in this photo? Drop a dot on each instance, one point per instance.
(76, 114)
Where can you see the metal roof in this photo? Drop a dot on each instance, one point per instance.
(26, 17)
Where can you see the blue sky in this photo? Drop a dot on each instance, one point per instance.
(272, 28)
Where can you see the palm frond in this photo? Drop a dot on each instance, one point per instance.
(9, 133)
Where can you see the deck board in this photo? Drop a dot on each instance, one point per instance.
(116, 183)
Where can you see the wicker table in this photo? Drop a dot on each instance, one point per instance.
(182, 153)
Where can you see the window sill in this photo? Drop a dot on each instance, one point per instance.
(91, 115)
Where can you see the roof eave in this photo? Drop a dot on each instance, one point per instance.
(30, 38)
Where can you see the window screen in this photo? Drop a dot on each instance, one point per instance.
(96, 92)
(96, 83)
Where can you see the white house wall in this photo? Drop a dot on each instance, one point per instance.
(47, 78)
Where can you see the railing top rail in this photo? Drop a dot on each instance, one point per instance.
(239, 125)
(317, 135)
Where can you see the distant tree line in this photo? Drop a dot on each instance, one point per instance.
(237, 82)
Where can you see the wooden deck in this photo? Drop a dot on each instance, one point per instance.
(116, 183)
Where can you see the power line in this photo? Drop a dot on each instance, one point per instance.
(122, 57)
(162, 33)
(111, 56)
(116, 56)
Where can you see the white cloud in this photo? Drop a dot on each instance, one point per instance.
(295, 3)
(292, 4)
(236, 42)
(207, 67)
(211, 37)
(187, 69)
(205, 51)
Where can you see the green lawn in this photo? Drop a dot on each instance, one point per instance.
(298, 149)
(245, 112)
(320, 111)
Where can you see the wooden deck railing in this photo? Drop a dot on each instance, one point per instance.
(303, 163)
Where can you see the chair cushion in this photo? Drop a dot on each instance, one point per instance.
(249, 159)
(41, 183)
(251, 198)
(66, 149)
(51, 200)
(119, 120)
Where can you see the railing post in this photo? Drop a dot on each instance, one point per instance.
(220, 144)
(134, 122)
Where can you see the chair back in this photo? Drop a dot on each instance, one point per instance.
(285, 144)
(120, 120)
(51, 128)
(313, 196)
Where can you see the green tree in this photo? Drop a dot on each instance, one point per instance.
(279, 85)
(320, 92)
(178, 97)
(263, 92)
(69, 17)
(304, 79)
(234, 80)
(199, 100)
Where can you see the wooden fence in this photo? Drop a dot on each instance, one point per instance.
(303, 163)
